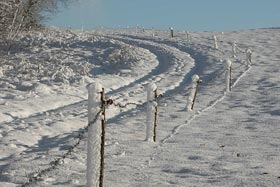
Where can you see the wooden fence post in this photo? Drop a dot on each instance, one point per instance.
(155, 117)
(188, 37)
(102, 150)
(249, 56)
(228, 75)
(215, 42)
(195, 94)
(171, 32)
(233, 50)
(94, 132)
(192, 97)
(151, 110)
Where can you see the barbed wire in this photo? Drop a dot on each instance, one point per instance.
(162, 95)
(60, 160)
(126, 104)
(240, 50)
(227, 42)
(238, 66)
(203, 83)
(213, 78)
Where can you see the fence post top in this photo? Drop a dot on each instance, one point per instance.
(228, 63)
(248, 50)
(94, 86)
(151, 87)
(195, 78)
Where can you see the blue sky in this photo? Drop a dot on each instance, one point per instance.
(194, 15)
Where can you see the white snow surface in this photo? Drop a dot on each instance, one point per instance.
(229, 139)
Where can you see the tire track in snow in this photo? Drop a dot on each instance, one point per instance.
(169, 62)
(170, 59)
(73, 109)
(161, 68)
(177, 77)
(199, 52)
(166, 53)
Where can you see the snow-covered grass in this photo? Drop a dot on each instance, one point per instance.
(229, 139)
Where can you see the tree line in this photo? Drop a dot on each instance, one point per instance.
(19, 15)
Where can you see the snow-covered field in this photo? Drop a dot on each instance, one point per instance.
(230, 139)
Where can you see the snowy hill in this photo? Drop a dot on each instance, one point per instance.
(229, 139)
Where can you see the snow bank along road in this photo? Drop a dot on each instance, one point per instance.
(230, 139)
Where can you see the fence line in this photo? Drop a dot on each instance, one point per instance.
(203, 83)
(60, 160)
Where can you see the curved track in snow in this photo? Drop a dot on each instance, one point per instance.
(176, 62)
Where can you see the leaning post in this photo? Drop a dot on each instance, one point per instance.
(228, 75)
(193, 94)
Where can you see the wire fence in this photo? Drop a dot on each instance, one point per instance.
(60, 160)
(56, 162)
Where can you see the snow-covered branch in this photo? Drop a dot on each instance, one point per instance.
(19, 15)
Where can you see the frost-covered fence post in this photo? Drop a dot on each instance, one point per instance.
(102, 150)
(188, 37)
(60, 42)
(155, 116)
(191, 99)
(233, 50)
(153, 32)
(249, 56)
(94, 133)
(215, 42)
(1, 72)
(151, 108)
(171, 32)
(136, 29)
(228, 75)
